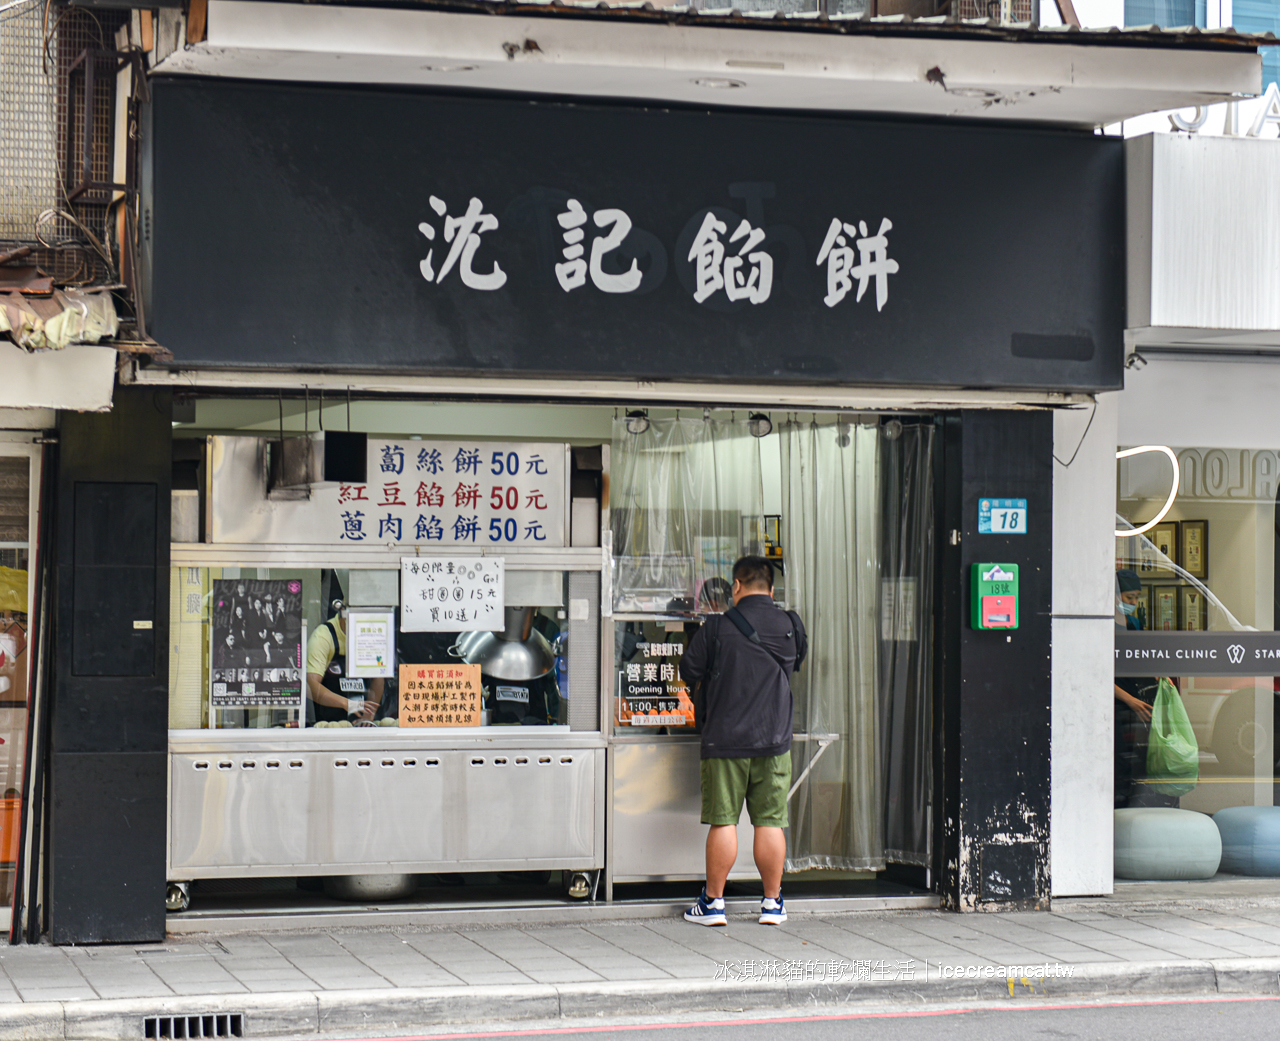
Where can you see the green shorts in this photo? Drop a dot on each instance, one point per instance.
(762, 781)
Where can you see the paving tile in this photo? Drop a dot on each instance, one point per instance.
(479, 979)
(57, 993)
(417, 978)
(358, 984)
(268, 986)
(219, 987)
(565, 975)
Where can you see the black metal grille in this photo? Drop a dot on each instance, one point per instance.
(76, 29)
(216, 1025)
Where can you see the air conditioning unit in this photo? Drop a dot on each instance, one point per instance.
(299, 465)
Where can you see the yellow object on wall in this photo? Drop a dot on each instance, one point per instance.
(13, 590)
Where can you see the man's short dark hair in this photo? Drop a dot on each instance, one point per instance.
(753, 572)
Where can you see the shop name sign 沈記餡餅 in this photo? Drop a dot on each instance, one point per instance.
(1249, 653)
(630, 242)
(735, 264)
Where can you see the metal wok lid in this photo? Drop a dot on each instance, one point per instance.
(518, 654)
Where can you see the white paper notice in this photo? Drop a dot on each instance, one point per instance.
(371, 643)
(451, 595)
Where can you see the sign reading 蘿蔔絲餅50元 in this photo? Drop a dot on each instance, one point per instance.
(629, 242)
(450, 493)
(451, 595)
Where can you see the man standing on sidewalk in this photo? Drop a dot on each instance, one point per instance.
(742, 663)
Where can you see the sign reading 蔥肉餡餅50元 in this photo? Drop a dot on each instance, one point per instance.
(517, 237)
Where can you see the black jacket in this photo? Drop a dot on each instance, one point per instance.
(747, 704)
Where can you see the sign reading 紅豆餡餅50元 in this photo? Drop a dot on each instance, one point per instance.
(576, 253)
(1247, 653)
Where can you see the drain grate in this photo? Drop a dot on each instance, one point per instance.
(222, 1025)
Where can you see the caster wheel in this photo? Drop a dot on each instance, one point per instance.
(178, 897)
(578, 885)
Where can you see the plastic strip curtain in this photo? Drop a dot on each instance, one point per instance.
(906, 639)
(831, 502)
(686, 502)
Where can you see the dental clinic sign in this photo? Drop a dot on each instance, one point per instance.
(1248, 653)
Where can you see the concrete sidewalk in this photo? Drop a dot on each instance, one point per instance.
(406, 980)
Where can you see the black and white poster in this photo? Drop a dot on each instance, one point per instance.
(256, 659)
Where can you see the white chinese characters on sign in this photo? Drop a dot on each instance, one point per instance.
(873, 261)
(738, 265)
(715, 271)
(573, 272)
(449, 493)
(458, 594)
(464, 233)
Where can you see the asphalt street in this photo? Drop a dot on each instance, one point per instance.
(1172, 1019)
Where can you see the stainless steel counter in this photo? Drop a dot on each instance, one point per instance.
(366, 800)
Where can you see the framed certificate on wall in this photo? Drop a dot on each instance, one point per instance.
(1164, 537)
(1193, 547)
(1164, 608)
(1193, 610)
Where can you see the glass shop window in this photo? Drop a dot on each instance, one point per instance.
(15, 586)
(324, 648)
(1202, 581)
(842, 506)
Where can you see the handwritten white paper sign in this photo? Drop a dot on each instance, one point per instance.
(451, 594)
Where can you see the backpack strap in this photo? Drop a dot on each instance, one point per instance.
(743, 626)
(748, 630)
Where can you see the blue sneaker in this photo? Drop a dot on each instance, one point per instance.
(707, 911)
(772, 912)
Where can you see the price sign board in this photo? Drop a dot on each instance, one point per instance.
(440, 695)
(452, 594)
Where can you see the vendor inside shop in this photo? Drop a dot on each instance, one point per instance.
(335, 696)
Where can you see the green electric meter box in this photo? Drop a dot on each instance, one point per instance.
(993, 592)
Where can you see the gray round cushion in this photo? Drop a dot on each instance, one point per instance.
(1250, 839)
(1154, 842)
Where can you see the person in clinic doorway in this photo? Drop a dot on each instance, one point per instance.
(745, 657)
(1135, 696)
(335, 695)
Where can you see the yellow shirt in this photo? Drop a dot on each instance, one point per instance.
(320, 649)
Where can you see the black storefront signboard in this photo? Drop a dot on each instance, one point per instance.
(1197, 653)
(341, 228)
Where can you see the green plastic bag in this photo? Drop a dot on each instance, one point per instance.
(1173, 757)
